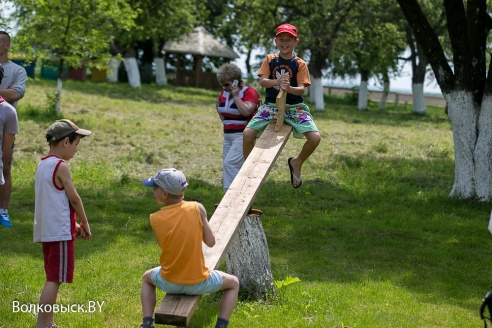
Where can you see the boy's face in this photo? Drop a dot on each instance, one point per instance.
(160, 195)
(71, 148)
(286, 42)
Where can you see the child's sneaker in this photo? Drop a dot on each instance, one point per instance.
(5, 220)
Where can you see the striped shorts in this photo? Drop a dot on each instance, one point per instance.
(59, 260)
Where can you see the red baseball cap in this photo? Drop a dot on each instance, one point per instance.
(287, 28)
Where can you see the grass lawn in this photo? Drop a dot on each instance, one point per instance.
(372, 234)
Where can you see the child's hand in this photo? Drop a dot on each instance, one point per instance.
(78, 231)
(284, 82)
(85, 231)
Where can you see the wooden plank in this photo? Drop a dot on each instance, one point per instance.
(280, 102)
(178, 309)
(243, 190)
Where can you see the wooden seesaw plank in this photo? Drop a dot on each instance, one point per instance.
(280, 102)
(177, 310)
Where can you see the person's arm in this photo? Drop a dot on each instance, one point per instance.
(265, 82)
(246, 108)
(10, 95)
(8, 140)
(217, 103)
(208, 235)
(16, 90)
(64, 178)
(283, 83)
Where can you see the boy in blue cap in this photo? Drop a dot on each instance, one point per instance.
(180, 227)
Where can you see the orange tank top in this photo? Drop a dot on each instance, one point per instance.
(179, 232)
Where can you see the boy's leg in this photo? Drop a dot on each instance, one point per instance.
(230, 286)
(148, 295)
(48, 297)
(249, 136)
(313, 139)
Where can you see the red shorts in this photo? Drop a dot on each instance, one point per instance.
(59, 260)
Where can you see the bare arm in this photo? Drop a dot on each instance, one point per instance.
(265, 82)
(63, 177)
(246, 108)
(284, 83)
(208, 235)
(16, 90)
(217, 102)
(8, 140)
(10, 95)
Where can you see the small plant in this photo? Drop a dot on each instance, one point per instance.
(288, 281)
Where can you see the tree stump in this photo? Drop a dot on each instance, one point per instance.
(249, 260)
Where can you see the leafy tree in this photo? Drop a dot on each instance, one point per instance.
(369, 45)
(156, 22)
(248, 25)
(418, 59)
(466, 87)
(72, 32)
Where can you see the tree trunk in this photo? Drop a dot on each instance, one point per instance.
(112, 70)
(463, 115)
(483, 152)
(418, 98)
(59, 87)
(316, 89)
(249, 260)
(363, 94)
(386, 89)
(132, 71)
(160, 71)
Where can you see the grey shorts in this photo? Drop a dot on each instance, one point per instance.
(211, 285)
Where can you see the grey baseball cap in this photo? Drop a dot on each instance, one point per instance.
(171, 180)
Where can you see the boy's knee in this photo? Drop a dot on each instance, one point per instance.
(230, 281)
(314, 137)
(147, 276)
(249, 134)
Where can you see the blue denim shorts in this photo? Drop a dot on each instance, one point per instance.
(211, 285)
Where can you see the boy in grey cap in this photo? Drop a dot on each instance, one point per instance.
(180, 227)
(56, 207)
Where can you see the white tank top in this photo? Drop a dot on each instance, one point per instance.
(54, 218)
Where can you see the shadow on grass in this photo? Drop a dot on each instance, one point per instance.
(404, 229)
(388, 226)
(343, 109)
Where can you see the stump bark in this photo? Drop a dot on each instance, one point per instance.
(249, 260)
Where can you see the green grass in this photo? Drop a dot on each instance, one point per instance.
(372, 234)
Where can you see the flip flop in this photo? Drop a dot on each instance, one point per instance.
(293, 176)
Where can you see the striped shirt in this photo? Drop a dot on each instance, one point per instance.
(234, 121)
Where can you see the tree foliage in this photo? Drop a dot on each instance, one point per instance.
(75, 32)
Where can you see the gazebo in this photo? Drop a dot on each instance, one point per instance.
(199, 43)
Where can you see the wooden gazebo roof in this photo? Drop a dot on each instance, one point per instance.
(200, 42)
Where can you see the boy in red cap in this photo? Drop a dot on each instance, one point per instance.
(290, 73)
